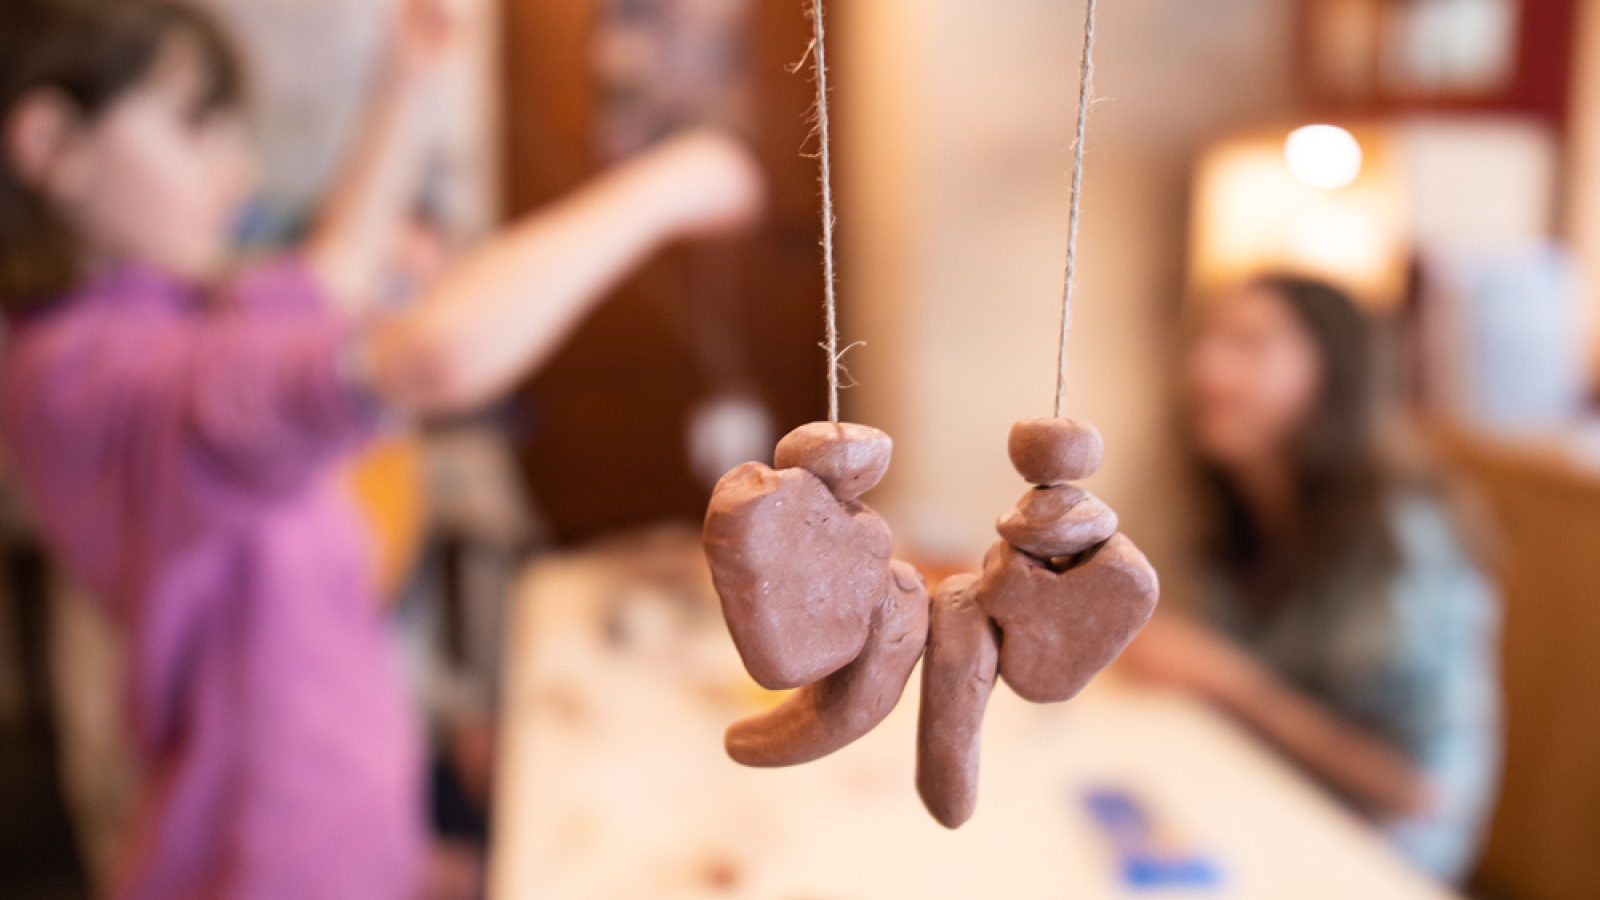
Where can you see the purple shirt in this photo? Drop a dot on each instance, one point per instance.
(183, 452)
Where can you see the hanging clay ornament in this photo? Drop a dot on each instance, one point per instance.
(800, 568)
(1068, 605)
(815, 603)
(1058, 600)
(811, 597)
(958, 675)
(1063, 589)
(809, 592)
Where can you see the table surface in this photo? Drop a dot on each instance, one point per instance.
(612, 782)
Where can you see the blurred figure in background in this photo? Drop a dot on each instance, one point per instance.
(1341, 619)
(182, 431)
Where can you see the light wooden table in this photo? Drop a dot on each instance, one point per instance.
(612, 782)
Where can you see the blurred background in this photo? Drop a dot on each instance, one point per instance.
(1437, 159)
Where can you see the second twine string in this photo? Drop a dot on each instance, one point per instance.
(819, 55)
(1085, 97)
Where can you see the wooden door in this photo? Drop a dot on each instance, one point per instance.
(603, 427)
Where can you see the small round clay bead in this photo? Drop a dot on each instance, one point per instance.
(1055, 451)
(850, 459)
(1057, 521)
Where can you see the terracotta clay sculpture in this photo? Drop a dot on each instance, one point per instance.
(1062, 627)
(799, 572)
(820, 718)
(1055, 451)
(810, 594)
(1065, 592)
(814, 602)
(1057, 521)
(957, 677)
(850, 459)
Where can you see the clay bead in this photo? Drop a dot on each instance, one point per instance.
(850, 459)
(1063, 520)
(1055, 451)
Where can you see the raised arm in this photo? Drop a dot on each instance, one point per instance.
(358, 224)
(505, 309)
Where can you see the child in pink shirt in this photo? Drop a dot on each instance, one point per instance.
(182, 442)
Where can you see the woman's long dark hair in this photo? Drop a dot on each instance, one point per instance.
(1340, 486)
(89, 52)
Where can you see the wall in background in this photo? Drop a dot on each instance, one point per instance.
(311, 66)
(956, 125)
(604, 444)
(1582, 197)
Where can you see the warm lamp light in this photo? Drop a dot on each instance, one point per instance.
(1318, 202)
(1323, 156)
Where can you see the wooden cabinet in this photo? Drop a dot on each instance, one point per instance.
(603, 426)
(1545, 843)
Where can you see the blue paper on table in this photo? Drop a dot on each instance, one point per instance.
(1144, 859)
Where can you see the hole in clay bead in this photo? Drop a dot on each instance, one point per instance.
(1067, 563)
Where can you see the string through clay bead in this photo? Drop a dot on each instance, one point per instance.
(1062, 590)
(810, 594)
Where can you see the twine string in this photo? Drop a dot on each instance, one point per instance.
(819, 56)
(1085, 97)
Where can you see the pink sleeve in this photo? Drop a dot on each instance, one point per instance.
(284, 285)
(266, 404)
(206, 406)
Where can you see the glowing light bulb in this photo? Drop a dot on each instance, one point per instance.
(1323, 156)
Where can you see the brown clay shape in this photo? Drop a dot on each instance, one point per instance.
(1055, 451)
(958, 675)
(850, 459)
(1061, 627)
(1056, 521)
(826, 716)
(799, 572)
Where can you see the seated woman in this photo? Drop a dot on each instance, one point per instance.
(1341, 619)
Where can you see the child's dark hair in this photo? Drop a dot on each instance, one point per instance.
(90, 52)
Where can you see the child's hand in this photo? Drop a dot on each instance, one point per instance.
(423, 35)
(707, 182)
(508, 306)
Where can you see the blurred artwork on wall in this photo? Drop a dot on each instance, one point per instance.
(1408, 55)
(1450, 46)
(662, 65)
